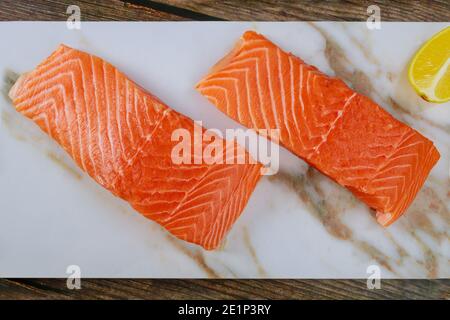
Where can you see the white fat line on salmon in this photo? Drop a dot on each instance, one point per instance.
(207, 146)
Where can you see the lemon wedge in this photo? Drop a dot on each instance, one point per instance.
(429, 71)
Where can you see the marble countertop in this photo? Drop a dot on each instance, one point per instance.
(297, 224)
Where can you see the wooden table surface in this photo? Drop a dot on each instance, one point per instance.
(163, 10)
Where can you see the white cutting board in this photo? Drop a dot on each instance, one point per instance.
(52, 215)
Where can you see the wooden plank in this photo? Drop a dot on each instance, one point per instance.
(268, 10)
(223, 289)
(99, 10)
(307, 10)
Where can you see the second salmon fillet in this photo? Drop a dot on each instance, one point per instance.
(122, 137)
(343, 134)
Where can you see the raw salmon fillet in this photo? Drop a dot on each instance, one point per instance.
(121, 136)
(343, 134)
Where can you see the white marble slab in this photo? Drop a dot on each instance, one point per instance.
(297, 224)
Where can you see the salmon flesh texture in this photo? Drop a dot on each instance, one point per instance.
(343, 134)
(121, 136)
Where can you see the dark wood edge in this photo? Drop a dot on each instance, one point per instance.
(232, 10)
(222, 289)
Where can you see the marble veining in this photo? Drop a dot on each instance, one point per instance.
(298, 223)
